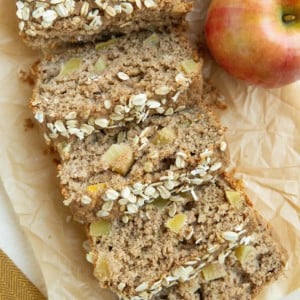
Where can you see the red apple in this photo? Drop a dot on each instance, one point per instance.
(257, 41)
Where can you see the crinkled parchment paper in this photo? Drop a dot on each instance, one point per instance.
(264, 140)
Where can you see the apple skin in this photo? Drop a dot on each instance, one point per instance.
(253, 41)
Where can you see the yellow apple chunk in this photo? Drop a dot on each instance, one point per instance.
(95, 189)
(234, 198)
(176, 223)
(119, 158)
(243, 253)
(213, 271)
(189, 66)
(70, 66)
(164, 136)
(101, 65)
(102, 268)
(160, 203)
(100, 227)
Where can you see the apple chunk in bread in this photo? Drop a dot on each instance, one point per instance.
(164, 136)
(119, 158)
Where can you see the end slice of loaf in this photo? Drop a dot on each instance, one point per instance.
(207, 249)
(86, 89)
(118, 171)
(245, 277)
(44, 24)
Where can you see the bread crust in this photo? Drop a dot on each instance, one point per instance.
(52, 25)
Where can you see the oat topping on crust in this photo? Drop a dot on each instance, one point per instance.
(47, 20)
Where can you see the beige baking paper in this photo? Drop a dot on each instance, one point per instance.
(264, 140)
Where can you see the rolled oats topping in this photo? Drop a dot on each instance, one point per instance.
(52, 22)
(167, 188)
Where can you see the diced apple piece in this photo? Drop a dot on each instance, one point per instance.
(70, 66)
(176, 223)
(95, 189)
(102, 268)
(190, 67)
(100, 227)
(213, 271)
(160, 202)
(243, 253)
(234, 198)
(164, 136)
(119, 157)
(100, 65)
(152, 40)
(106, 44)
(148, 167)
(185, 124)
(64, 150)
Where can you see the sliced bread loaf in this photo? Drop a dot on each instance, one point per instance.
(187, 249)
(85, 89)
(49, 23)
(120, 170)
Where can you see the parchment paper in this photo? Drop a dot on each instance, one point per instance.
(264, 141)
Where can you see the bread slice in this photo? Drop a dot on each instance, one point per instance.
(49, 23)
(214, 248)
(118, 171)
(86, 89)
(262, 261)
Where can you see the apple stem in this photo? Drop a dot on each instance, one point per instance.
(289, 18)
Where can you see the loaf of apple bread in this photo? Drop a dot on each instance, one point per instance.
(49, 23)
